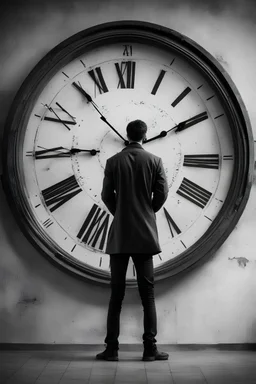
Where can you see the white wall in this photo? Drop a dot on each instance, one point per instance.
(216, 303)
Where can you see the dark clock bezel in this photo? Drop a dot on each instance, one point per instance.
(73, 47)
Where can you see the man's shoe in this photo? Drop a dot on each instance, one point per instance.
(152, 354)
(109, 354)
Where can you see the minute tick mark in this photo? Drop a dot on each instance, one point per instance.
(83, 63)
(218, 116)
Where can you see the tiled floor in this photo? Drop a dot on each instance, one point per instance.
(80, 367)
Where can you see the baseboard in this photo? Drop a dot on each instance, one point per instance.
(126, 347)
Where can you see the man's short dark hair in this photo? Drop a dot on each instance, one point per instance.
(136, 130)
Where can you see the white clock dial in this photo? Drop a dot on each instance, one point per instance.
(71, 115)
(158, 88)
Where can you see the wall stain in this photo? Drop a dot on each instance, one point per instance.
(242, 261)
(222, 60)
(28, 301)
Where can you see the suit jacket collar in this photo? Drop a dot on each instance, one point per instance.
(133, 145)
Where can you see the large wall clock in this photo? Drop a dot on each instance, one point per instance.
(70, 115)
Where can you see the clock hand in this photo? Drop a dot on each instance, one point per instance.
(161, 134)
(182, 125)
(92, 151)
(103, 118)
(105, 121)
(58, 118)
(60, 152)
(190, 122)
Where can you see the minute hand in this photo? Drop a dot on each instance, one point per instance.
(90, 100)
(182, 125)
(190, 122)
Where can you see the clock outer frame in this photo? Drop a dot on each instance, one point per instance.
(73, 47)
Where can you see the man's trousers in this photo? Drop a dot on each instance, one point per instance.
(145, 278)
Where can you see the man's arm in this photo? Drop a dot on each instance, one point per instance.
(108, 192)
(160, 190)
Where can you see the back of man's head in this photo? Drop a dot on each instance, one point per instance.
(136, 130)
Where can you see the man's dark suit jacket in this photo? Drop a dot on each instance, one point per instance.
(134, 188)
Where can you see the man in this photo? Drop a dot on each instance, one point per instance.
(134, 188)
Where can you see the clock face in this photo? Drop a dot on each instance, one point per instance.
(77, 120)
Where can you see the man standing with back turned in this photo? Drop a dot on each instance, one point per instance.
(134, 188)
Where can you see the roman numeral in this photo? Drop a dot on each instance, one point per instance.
(58, 194)
(158, 82)
(127, 50)
(181, 96)
(202, 161)
(127, 70)
(55, 152)
(57, 118)
(172, 225)
(194, 193)
(95, 227)
(98, 79)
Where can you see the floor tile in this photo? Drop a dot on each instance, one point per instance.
(81, 367)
